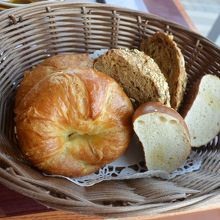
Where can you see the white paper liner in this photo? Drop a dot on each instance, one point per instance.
(131, 166)
(98, 53)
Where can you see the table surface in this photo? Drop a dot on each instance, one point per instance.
(16, 206)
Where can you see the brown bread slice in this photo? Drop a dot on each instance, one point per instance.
(137, 73)
(170, 60)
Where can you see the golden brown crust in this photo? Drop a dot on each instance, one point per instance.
(169, 58)
(69, 61)
(53, 64)
(72, 124)
(158, 107)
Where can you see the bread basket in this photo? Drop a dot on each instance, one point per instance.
(30, 34)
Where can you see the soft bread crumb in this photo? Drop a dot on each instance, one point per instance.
(203, 118)
(165, 141)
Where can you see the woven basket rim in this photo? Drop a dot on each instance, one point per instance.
(12, 179)
(11, 11)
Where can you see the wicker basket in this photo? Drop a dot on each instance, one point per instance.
(30, 34)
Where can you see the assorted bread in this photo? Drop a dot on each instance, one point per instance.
(165, 52)
(163, 134)
(74, 115)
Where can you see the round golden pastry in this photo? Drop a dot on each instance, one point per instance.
(70, 62)
(72, 124)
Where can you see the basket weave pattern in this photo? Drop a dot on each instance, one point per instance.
(30, 34)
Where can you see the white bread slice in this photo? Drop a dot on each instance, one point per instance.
(203, 113)
(165, 52)
(137, 73)
(164, 136)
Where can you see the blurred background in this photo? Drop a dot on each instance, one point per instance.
(205, 14)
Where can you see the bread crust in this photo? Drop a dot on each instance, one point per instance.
(70, 62)
(190, 98)
(72, 124)
(158, 107)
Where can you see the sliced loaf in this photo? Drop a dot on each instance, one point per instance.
(202, 114)
(137, 73)
(170, 60)
(164, 136)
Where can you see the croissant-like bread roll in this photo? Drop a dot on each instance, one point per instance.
(70, 62)
(72, 124)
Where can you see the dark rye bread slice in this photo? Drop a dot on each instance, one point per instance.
(137, 73)
(170, 60)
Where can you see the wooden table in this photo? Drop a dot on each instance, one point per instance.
(17, 206)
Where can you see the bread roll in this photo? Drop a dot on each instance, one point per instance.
(202, 113)
(164, 136)
(72, 124)
(137, 73)
(170, 60)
